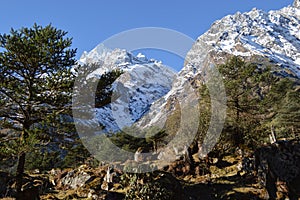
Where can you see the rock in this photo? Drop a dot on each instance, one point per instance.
(109, 175)
(138, 156)
(91, 194)
(75, 179)
(41, 182)
(168, 155)
(110, 178)
(4, 183)
(106, 186)
(296, 4)
(36, 171)
(279, 162)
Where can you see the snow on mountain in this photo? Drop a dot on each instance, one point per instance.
(151, 98)
(143, 82)
(98, 53)
(274, 35)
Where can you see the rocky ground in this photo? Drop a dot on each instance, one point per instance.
(222, 179)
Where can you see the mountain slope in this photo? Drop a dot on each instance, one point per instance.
(143, 81)
(273, 35)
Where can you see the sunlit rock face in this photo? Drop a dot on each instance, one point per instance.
(296, 4)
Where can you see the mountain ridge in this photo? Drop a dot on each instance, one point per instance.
(274, 35)
(143, 81)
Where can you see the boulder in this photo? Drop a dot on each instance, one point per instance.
(74, 179)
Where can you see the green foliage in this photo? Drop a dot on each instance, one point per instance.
(128, 142)
(155, 136)
(122, 145)
(13, 147)
(104, 91)
(287, 118)
(72, 157)
(132, 138)
(76, 156)
(256, 99)
(205, 113)
(35, 81)
(276, 104)
(35, 75)
(103, 149)
(43, 161)
(242, 81)
(144, 187)
(172, 124)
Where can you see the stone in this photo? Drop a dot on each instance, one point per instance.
(138, 156)
(279, 161)
(106, 186)
(74, 179)
(296, 3)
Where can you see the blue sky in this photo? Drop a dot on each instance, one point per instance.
(90, 22)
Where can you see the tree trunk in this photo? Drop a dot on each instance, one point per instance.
(19, 175)
(21, 164)
(238, 135)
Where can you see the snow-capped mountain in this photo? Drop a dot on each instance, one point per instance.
(143, 81)
(274, 35)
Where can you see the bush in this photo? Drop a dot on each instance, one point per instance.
(43, 161)
(144, 187)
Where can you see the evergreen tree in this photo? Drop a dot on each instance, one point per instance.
(35, 81)
(104, 88)
(92, 89)
(205, 112)
(287, 118)
(257, 98)
(279, 106)
(243, 82)
(155, 136)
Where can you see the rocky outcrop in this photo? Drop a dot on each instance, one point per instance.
(75, 179)
(296, 4)
(279, 161)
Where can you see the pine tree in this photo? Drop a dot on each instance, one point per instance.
(258, 98)
(287, 117)
(240, 89)
(35, 81)
(104, 88)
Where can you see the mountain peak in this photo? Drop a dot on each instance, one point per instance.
(95, 55)
(296, 3)
(143, 82)
(274, 34)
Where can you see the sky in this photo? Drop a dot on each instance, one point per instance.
(90, 22)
